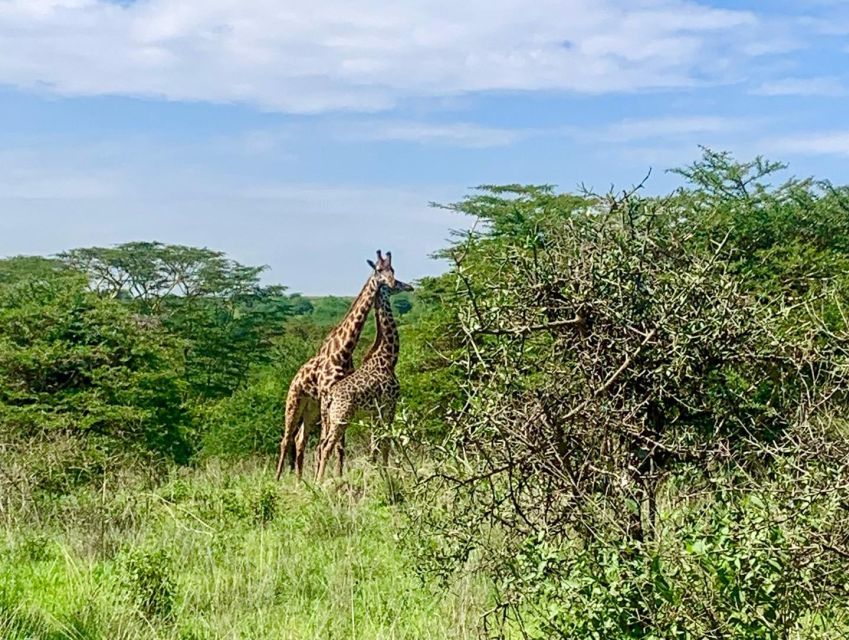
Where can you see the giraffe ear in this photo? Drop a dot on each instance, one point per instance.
(372, 264)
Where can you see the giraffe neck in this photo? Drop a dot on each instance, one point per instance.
(342, 341)
(386, 344)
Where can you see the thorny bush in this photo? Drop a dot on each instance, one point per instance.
(647, 449)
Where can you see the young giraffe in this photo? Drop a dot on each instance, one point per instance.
(335, 360)
(372, 389)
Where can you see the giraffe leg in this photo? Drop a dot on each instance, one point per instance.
(332, 432)
(386, 443)
(384, 453)
(380, 453)
(292, 457)
(380, 446)
(310, 420)
(294, 412)
(300, 447)
(340, 455)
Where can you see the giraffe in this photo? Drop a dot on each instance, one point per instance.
(334, 360)
(372, 389)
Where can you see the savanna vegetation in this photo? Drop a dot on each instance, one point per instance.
(623, 416)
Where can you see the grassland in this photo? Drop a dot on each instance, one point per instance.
(219, 551)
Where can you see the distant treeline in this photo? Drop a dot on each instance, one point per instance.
(151, 346)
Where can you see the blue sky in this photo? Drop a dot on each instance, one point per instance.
(304, 135)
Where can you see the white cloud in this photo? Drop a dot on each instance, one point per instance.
(835, 24)
(364, 54)
(474, 136)
(261, 141)
(826, 86)
(671, 126)
(450, 134)
(815, 144)
(461, 134)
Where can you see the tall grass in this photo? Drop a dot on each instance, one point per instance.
(220, 551)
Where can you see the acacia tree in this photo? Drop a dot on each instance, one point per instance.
(225, 316)
(152, 273)
(630, 401)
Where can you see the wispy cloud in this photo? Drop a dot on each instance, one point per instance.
(364, 54)
(824, 86)
(461, 134)
(812, 143)
(470, 135)
(832, 18)
(262, 141)
(676, 129)
(671, 127)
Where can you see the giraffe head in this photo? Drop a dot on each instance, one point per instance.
(384, 273)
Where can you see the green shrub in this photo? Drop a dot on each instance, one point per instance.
(266, 503)
(148, 581)
(73, 362)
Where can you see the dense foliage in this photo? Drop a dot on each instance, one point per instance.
(652, 441)
(75, 363)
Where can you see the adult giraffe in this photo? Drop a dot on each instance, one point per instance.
(334, 360)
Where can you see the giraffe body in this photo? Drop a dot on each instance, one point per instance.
(370, 391)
